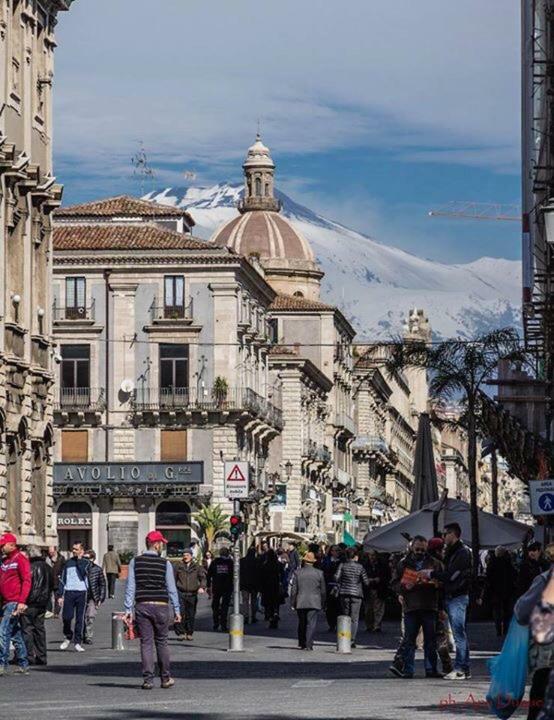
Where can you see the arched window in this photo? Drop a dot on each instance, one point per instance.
(258, 186)
(267, 189)
(74, 524)
(298, 293)
(173, 520)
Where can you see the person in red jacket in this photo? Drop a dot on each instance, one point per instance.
(15, 585)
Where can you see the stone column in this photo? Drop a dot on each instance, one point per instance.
(225, 307)
(291, 439)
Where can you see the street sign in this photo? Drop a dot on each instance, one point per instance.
(236, 479)
(541, 493)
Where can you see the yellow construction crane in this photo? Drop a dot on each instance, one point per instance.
(479, 211)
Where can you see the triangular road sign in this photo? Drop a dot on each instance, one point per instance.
(236, 475)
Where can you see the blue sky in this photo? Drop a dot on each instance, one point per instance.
(375, 112)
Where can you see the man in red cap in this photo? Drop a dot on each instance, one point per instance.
(150, 588)
(15, 586)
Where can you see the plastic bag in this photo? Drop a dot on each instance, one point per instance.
(509, 672)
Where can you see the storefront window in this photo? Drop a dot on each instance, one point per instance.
(74, 525)
(173, 520)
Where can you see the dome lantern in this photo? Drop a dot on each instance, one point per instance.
(259, 176)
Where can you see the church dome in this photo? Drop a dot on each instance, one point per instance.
(260, 231)
(265, 234)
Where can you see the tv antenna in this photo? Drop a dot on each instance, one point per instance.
(142, 169)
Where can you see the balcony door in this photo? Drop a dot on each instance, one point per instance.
(174, 373)
(75, 298)
(75, 375)
(174, 296)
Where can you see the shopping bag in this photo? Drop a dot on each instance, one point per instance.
(509, 672)
(130, 630)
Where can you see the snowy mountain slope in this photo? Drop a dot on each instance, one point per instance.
(375, 284)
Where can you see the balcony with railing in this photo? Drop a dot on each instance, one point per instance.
(74, 314)
(161, 313)
(80, 399)
(346, 423)
(370, 443)
(316, 452)
(192, 400)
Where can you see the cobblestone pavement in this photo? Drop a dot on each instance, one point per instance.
(271, 679)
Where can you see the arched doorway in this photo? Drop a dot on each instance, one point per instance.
(74, 522)
(173, 520)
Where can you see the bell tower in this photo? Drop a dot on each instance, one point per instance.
(259, 178)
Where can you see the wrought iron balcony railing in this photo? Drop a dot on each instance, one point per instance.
(191, 399)
(160, 312)
(370, 443)
(76, 313)
(343, 420)
(316, 452)
(80, 399)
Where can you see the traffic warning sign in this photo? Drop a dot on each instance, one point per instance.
(236, 480)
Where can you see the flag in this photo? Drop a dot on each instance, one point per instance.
(348, 539)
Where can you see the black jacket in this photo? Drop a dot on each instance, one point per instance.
(422, 595)
(351, 579)
(42, 583)
(380, 573)
(96, 583)
(528, 571)
(500, 579)
(456, 575)
(220, 575)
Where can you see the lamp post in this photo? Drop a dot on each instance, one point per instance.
(288, 471)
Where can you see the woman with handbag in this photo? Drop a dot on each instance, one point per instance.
(541, 654)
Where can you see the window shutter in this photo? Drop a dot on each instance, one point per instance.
(74, 446)
(173, 446)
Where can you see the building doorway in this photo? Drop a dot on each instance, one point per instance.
(173, 520)
(74, 524)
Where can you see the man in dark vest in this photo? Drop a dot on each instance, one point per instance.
(150, 589)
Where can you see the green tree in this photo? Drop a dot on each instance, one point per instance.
(212, 521)
(458, 370)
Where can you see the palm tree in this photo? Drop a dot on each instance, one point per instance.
(458, 370)
(212, 521)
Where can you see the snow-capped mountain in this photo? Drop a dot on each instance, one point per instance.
(374, 284)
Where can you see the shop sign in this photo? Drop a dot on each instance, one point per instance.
(191, 473)
(68, 520)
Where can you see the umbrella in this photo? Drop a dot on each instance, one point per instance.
(425, 489)
(493, 529)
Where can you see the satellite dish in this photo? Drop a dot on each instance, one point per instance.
(127, 386)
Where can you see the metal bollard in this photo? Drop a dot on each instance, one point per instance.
(118, 631)
(236, 633)
(344, 634)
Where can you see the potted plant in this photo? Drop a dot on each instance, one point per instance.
(220, 390)
(125, 556)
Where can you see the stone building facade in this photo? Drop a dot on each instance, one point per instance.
(28, 195)
(163, 343)
(312, 362)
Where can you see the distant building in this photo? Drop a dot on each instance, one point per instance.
(28, 195)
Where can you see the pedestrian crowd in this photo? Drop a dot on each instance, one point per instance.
(430, 585)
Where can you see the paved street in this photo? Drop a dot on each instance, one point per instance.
(272, 679)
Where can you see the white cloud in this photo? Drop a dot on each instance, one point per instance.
(191, 78)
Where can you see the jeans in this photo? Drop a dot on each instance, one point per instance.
(187, 603)
(307, 622)
(413, 621)
(90, 616)
(10, 630)
(457, 613)
(74, 605)
(350, 605)
(32, 624)
(153, 628)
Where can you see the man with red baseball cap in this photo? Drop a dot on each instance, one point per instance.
(150, 589)
(15, 586)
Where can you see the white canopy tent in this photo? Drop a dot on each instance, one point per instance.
(493, 529)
